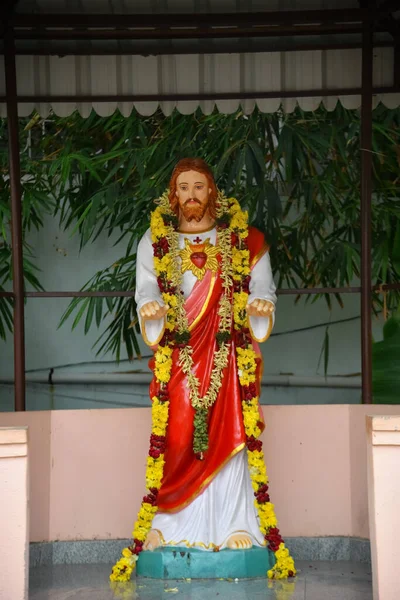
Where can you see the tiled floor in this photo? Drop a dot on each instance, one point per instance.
(316, 581)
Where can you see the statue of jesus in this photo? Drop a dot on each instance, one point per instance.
(205, 297)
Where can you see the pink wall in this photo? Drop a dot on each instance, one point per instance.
(87, 469)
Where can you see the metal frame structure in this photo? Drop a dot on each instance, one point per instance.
(365, 21)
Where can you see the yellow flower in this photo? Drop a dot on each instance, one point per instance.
(240, 262)
(251, 417)
(163, 364)
(154, 471)
(247, 366)
(164, 265)
(239, 309)
(235, 206)
(267, 516)
(159, 413)
(170, 299)
(157, 227)
(122, 570)
(239, 222)
(172, 302)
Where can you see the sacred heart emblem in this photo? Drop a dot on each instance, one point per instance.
(199, 258)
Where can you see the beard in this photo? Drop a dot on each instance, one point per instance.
(194, 212)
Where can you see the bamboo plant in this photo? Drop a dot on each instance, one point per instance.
(297, 174)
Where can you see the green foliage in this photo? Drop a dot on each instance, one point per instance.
(297, 174)
(386, 361)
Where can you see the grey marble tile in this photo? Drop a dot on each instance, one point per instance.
(303, 548)
(87, 552)
(91, 582)
(334, 548)
(317, 580)
(360, 550)
(321, 591)
(40, 554)
(108, 551)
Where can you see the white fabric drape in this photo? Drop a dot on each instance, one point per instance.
(225, 507)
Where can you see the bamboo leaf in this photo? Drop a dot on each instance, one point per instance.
(396, 249)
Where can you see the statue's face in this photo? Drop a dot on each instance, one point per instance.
(193, 191)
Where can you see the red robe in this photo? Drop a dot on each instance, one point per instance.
(184, 475)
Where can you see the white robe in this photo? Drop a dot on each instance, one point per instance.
(226, 506)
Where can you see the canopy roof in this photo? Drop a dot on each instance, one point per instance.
(108, 54)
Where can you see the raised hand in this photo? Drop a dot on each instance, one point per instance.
(260, 308)
(152, 311)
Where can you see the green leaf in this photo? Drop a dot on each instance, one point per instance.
(99, 311)
(84, 302)
(396, 249)
(89, 315)
(386, 372)
(325, 352)
(258, 155)
(391, 328)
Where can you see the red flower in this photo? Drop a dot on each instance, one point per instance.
(163, 395)
(157, 445)
(151, 498)
(242, 340)
(250, 391)
(246, 284)
(262, 498)
(263, 488)
(161, 247)
(137, 546)
(274, 539)
(234, 239)
(253, 444)
(154, 453)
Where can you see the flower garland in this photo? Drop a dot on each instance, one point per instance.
(232, 231)
(246, 359)
(122, 570)
(165, 238)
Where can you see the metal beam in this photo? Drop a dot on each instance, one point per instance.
(366, 192)
(16, 222)
(284, 292)
(163, 47)
(6, 10)
(190, 33)
(203, 96)
(197, 20)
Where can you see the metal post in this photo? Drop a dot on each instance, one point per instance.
(16, 221)
(366, 190)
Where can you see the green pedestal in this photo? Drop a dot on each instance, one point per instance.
(177, 563)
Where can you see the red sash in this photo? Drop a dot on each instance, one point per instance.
(184, 475)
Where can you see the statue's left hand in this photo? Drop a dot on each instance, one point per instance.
(260, 308)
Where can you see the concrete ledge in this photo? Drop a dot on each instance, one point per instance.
(14, 515)
(383, 440)
(108, 551)
(13, 442)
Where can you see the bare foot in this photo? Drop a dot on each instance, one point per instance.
(153, 540)
(239, 541)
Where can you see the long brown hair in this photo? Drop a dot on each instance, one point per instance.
(193, 164)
